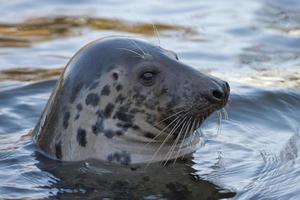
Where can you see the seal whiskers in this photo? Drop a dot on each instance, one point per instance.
(132, 51)
(196, 132)
(175, 142)
(166, 140)
(219, 123)
(188, 130)
(135, 44)
(178, 116)
(179, 122)
(187, 123)
(220, 119)
(168, 117)
(156, 33)
(223, 110)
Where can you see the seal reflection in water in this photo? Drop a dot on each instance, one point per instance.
(126, 101)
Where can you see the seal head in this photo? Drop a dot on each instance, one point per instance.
(127, 101)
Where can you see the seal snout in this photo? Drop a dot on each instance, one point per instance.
(219, 93)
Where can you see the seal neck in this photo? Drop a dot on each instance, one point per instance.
(131, 151)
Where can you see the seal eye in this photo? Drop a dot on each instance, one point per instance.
(148, 78)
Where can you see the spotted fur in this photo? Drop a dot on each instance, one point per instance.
(92, 99)
(102, 108)
(81, 137)
(120, 157)
(105, 91)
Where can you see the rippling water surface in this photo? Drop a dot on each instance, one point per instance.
(254, 45)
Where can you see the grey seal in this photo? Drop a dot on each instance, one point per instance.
(126, 101)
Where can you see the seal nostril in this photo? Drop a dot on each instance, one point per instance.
(217, 94)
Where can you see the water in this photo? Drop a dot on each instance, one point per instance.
(254, 45)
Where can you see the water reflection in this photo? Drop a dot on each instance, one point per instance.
(93, 179)
(254, 45)
(29, 74)
(48, 28)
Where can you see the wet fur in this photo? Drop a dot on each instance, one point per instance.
(100, 110)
